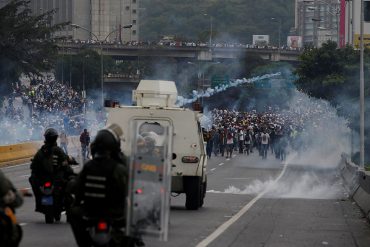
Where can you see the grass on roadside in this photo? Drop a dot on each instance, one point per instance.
(367, 168)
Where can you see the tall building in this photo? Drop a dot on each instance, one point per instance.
(352, 9)
(103, 19)
(317, 21)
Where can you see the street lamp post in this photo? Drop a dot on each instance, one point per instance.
(101, 53)
(210, 29)
(362, 91)
(279, 20)
(315, 32)
(63, 65)
(317, 18)
(70, 69)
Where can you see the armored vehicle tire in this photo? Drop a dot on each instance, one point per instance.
(204, 189)
(194, 192)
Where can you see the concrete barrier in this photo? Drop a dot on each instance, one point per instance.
(362, 194)
(23, 152)
(358, 182)
(350, 174)
(18, 153)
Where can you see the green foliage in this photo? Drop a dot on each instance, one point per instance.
(26, 45)
(81, 68)
(233, 20)
(327, 71)
(333, 74)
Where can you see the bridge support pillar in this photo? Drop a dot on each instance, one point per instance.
(275, 56)
(205, 56)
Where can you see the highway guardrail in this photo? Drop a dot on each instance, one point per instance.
(358, 182)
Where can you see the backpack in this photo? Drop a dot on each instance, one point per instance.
(247, 138)
(264, 138)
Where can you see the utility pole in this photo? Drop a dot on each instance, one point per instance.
(362, 93)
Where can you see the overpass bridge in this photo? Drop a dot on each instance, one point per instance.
(199, 53)
(190, 53)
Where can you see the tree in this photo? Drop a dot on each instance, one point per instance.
(233, 20)
(323, 72)
(26, 43)
(83, 67)
(333, 74)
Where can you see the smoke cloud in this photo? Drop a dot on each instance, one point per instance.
(313, 156)
(181, 101)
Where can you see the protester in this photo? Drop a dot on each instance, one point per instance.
(85, 142)
(63, 141)
(44, 103)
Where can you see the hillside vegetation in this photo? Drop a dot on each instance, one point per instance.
(233, 20)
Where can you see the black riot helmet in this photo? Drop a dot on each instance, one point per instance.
(107, 141)
(51, 135)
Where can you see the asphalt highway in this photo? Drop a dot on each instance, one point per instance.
(249, 202)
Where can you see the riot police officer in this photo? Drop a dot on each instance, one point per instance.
(100, 189)
(10, 199)
(49, 163)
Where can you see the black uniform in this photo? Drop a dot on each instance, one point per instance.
(10, 231)
(50, 163)
(100, 191)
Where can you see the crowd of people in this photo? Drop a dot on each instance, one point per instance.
(44, 103)
(185, 44)
(247, 132)
(273, 131)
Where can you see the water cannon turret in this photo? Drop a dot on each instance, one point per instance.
(155, 93)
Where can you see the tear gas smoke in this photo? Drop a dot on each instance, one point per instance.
(307, 186)
(23, 120)
(181, 101)
(313, 155)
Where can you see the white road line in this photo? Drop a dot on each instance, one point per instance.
(238, 178)
(213, 169)
(22, 224)
(25, 176)
(221, 229)
(221, 164)
(9, 167)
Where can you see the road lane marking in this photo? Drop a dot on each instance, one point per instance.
(213, 169)
(221, 164)
(22, 224)
(238, 178)
(25, 176)
(9, 167)
(221, 229)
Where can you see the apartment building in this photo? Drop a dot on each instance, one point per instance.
(317, 21)
(98, 19)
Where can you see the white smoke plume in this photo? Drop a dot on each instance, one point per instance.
(312, 165)
(181, 101)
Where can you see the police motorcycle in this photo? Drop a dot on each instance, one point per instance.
(53, 201)
(98, 194)
(51, 169)
(147, 200)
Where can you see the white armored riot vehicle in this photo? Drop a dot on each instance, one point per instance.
(155, 110)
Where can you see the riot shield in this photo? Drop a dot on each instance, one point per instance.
(150, 178)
